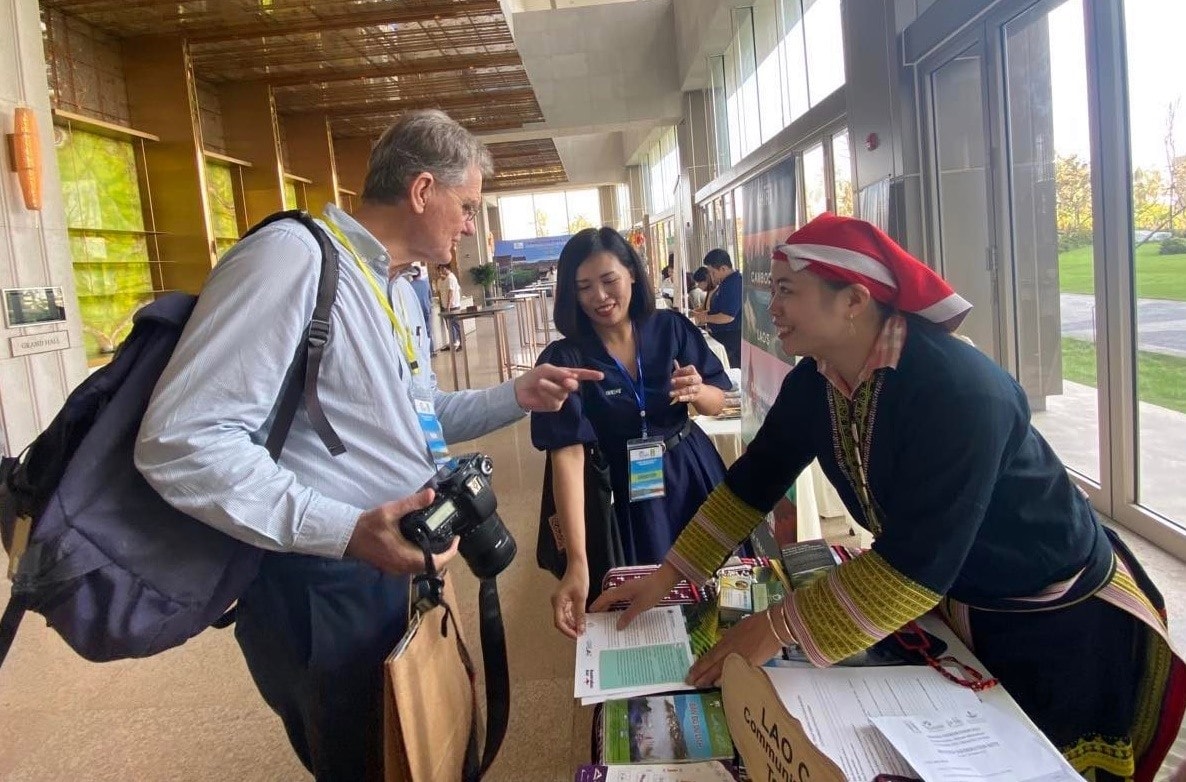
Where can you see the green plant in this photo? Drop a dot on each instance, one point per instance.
(1173, 246)
(484, 275)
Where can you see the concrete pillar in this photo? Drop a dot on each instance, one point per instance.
(37, 253)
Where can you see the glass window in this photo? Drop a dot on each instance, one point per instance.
(824, 37)
(625, 220)
(108, 242)
(1049, 152)
(815, 182)
(794, 60)
(769, 75)
(1157, 127)
(584, 209)
(842, 174)
(733, 102)
(720, 115)
(751, 110)
(516, 214)
(220, 191)
(551, 214)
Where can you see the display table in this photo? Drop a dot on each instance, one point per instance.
(791, 711)
(529, 345)
(719, 351)
(544, 318)
(497, 315)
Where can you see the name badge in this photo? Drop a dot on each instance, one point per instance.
(430, 425)
(645, 457)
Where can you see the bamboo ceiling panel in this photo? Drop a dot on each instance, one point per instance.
(521, 165)
(360, 61)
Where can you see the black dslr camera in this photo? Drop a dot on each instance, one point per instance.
(465, 507)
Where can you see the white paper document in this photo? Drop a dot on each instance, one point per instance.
(977, 744)
(835, 706)
(652, 655)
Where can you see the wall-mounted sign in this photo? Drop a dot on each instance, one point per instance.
(33, 306)
(39, 343)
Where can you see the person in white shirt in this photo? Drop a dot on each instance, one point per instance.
(451, 300)
(698, 295)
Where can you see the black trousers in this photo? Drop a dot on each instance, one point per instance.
(315, 633)
(731, 340)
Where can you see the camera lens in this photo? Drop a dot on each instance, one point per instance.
(488, 548)
(486, 467)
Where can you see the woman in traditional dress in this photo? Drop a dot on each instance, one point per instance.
(656, 364)
(930, 446)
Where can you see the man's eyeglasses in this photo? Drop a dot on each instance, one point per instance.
(469, 209)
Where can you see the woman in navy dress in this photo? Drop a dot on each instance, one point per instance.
(605, 308)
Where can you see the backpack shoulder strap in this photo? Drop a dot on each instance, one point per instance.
(306, 363)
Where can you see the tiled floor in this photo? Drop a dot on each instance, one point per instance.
(193, 713)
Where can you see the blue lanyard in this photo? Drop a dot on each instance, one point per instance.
(638, 388)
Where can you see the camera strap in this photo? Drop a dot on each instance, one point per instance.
(494, 662)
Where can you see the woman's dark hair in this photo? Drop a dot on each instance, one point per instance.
(718, 258)
(700, 275)
(571, 320)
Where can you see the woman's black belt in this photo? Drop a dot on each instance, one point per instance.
(675, 439)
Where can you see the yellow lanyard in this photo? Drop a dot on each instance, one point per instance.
(402, 334)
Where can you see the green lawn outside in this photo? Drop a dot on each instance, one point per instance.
(1158, 276)
(1161, 379)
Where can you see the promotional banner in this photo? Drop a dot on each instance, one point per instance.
(545, 249)
(767, 207)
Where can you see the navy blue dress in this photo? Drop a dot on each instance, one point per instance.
(607, 413)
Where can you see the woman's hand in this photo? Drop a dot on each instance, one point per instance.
(568, 601)
(686, 384)
(641, 594)
(752, 638)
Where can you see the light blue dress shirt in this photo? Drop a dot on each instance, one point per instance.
(201, 440)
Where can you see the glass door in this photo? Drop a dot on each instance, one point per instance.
(1055, 343)
(953, 105)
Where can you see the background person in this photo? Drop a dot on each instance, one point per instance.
(424, 295)
(698, 293)
(450, 302)
(723, 316)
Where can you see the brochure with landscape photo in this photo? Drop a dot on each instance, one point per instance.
(666, 728)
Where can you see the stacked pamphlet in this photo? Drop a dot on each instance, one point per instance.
(673, 728)
(684, 772)
(650, 656)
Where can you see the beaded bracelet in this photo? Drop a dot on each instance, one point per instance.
(774, 630)
(786, 620)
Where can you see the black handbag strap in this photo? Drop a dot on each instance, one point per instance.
(498, 680)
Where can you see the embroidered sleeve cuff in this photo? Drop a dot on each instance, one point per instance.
(326, 527)
(720, 525)
(856, 605)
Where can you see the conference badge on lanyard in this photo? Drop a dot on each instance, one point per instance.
(430, 425)
(645, 457)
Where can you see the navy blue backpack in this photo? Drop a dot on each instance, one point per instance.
(112, 567)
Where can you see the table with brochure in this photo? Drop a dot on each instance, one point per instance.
(871, 717)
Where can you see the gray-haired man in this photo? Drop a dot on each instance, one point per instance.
(331, 599)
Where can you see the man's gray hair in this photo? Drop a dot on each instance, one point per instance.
(428, 141)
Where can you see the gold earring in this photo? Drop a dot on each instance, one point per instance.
(852, 327)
